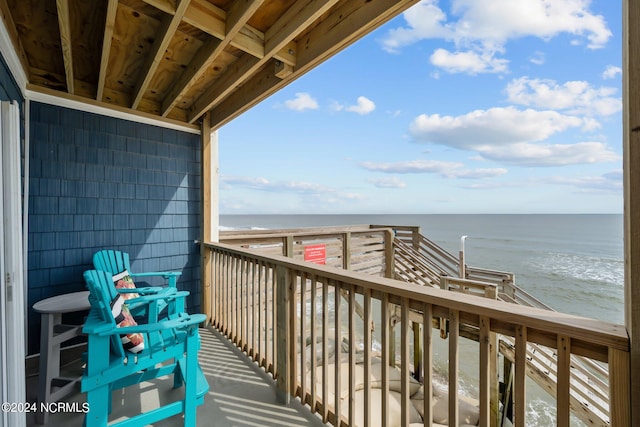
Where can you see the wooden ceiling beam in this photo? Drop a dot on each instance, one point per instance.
(64, 23)
(236, 19)
(109, 24)
(166, 32)
(344, 26)
(10, 25)
(212, 20)
(295, 20)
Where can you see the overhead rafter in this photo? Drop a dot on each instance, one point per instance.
(297, 18)
(109, 24)
(225, 56)
(212, 20)
(167, 30)
(10, 25)
(341, 28)
(236, 19)
(64, 22)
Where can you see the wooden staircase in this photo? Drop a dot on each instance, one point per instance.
(422, 262)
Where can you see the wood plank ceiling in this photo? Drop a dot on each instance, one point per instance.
(178, 59)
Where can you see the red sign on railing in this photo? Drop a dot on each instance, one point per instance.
(315, 253)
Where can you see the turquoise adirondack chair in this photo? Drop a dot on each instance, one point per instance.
(170, 348)
(116, 262)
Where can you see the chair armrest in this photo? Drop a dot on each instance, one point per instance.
(165, 274)
(171, 276)
(147, 290)
(179, 323)
(148, 299)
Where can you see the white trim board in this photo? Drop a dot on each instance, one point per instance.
(61, 101)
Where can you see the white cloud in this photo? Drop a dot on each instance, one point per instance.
(425, 20)
(471, 62)
(606, 182)
(302, 101)
(412, 166)
(611, 72)
(495, 126)
(475, 173)
(480, 29)
(537, 58)
(512, 136)
(529, 154)
(576, 97)
(453, 170)
(391, 182)
(299, 188)
(364, 106)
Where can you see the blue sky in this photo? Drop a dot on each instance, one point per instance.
(460, 106)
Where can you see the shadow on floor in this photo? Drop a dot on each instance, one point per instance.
(240, 394)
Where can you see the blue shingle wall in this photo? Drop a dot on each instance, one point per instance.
(97, 182)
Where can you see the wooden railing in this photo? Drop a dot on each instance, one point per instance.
(288, 314)
(359, 248)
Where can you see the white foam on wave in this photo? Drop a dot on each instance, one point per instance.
(540, 413)
(589, 268)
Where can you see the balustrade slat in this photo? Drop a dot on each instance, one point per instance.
(352, 355)
(454, 345)
(384, 325)
(367, 357)
(303, 339)
(485, 371)
(261, 324)
(273, 332)
(520, 376)
(563, 380)
(325, 351)
(293, 333)
(314, 337)
(427, 362)
(404, 366)
(337, 355)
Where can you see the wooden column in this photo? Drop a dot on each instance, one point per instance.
(209, 211)
(285, 377)
(631, 166)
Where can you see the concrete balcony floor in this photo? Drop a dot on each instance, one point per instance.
(241, 394)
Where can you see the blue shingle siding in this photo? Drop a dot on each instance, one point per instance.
(97, 182)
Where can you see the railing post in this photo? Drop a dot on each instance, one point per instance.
(282, 337)
(287, 249)
(389, 260)
(346, 250)
(619, 388)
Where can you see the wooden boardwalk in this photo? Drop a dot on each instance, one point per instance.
(241, 394)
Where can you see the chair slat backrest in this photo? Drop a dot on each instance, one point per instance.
(111, 261)
(100, 284)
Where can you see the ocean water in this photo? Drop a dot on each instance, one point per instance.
(573, 263)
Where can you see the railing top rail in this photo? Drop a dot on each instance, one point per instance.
(397, 227)
(302, 232)
(589, 331)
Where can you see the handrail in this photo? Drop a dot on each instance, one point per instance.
(256, 301)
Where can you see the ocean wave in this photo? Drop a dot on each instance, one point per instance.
(584, 268)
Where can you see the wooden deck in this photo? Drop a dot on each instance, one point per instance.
(241, 393)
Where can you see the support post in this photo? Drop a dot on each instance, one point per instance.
(209, 215)
(282, 338)
(631, 168)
